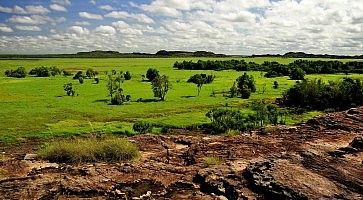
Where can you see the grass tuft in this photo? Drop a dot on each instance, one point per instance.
(89, 150)
(210, 161)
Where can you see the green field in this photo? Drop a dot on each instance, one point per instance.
(38, 107)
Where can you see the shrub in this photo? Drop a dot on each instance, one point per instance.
(210, 161)
(97, 80)
(40, 72)
(246, 85)
(151, 74)
(127, 76)
(18, 73)
(160, 86)
(297, 74)
(128, 97)
(276, 85)
(78, 75)
(90, 73)
(233, 92)
(55, 71)
(118, 98)
(81, 80)
(89, 150)
(69, 89)
(142, 127)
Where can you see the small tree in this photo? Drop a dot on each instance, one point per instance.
(142, 127)
(77, 75)
(246, 85)
(276, 85)
(111, 86)
(69, 89)
(151, 74)
(97, 80)
(297, 74)
(160, 86)
(127, 76)
(81, 80)
(200, 80)
(90, 73)
(18, 73)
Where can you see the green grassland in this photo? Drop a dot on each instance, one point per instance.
(38, 107)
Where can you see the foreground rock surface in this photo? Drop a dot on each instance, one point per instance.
(321, 159)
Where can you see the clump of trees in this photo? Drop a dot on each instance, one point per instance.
(18, 73)
(200, 80)
(69, 89)
(45, 71)
(152, 73)
(297, 74)
(275, 69)
(78, 75)
(245, 86)
(224, 119)
(115, 90)
(160, 86)
(315, 94)
(127, 76)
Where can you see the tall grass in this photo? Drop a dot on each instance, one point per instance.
(89, 150)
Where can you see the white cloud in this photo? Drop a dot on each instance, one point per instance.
(124, 15)
(82, 23)
(90, 15)
(106, 7)
(16, 10)
(57, 7)
(78, 30)
(62, 2)
(93, 2)
(28, 28)
(35, 20)
(39, 10)
(4, 28)
(106, 30)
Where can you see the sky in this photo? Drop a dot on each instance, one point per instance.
(242, 27)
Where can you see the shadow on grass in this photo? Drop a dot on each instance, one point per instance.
(101, 100)
(148, 100)
(187, 97)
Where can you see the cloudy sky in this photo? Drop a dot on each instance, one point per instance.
(222, 26)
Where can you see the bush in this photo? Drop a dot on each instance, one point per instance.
(55, 71)
(40, 72)
(89, 150)
(151, 74)
(245, 93)
(78, 75)
(118, 98)
(210, 161)
(246, 85)
(233, 92)
(90, 73)
(297, 74)
(142, 127)
(97, 80)
(18, 73)
(81, 80)
(69, 89)
(276, 85)
(127, 76)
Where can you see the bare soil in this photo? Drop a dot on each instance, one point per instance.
(322, 159)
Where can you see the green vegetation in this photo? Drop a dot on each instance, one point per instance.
(18, 73)
(160, 86)
(35, 107)
(142, 127)
(315, 94)
(210, 161)
(200, 80)
(89, 150)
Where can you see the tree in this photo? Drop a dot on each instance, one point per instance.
(77, 75)
(111, 86)
(160, 86)
(151, 74)
(127, 75)
(297, 74)
(69, 89)
(40, 72)
(115, 90)
(246, 85)
(90, 73)
(200, 80)
(18, 73)
(97, 80)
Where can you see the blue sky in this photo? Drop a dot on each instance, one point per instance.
(222, 26)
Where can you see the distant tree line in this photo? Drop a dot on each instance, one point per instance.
(308, 55)
(274, 69)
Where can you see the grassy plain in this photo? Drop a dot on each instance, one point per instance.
(38, 107)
